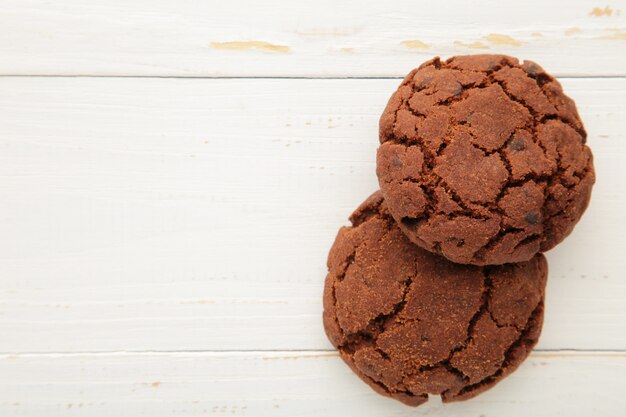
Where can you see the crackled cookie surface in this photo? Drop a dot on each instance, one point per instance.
(411, 323)
(483, 160)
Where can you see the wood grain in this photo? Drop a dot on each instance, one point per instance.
(322, 38)
(287, 384)
(173, 214)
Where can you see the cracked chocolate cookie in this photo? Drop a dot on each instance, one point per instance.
(411, 323)
(483, 159)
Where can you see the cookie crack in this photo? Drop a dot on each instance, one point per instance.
(364, 217)
(540, 121)
(487, 289)
(486, 297)
(376, 326)
(404, 103)
(429, 162)
(541, 78)
(528, 239)
(457, 199)
(501, 235)
(581, 132)
(349, 261)
(523, 340)
(463, 94)
(429, 191)
(517, 100)
(548, 178)
(389, 391)
(367, 214)
(333, 292)
(501, 325)
(536, 73)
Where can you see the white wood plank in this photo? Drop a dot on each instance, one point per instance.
(312, 38)
(288, 384)
(176, 214)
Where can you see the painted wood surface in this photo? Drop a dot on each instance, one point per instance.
(570, 384)
(322, 38)
(173, 214)
(164, 232)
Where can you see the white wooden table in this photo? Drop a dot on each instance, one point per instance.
(172, 174)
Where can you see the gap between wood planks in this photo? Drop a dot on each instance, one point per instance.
(303, 352)
(201, 77)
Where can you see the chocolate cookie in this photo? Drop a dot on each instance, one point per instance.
(411, 323)
(483, 160)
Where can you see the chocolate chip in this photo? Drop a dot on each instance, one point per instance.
(517, 144)
(457, 89)
(532, 217)
(424, 83)
(532, 68)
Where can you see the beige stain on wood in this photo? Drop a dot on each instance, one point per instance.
(597, 11)
(495, 39)
(616, 35)
(537, 35)
(571, 31)
(471, 45)
(414, 44)
(347, 50)
(500, 39)
(155, 384)
(247, 45)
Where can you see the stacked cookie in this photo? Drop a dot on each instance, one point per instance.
(438, 285)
